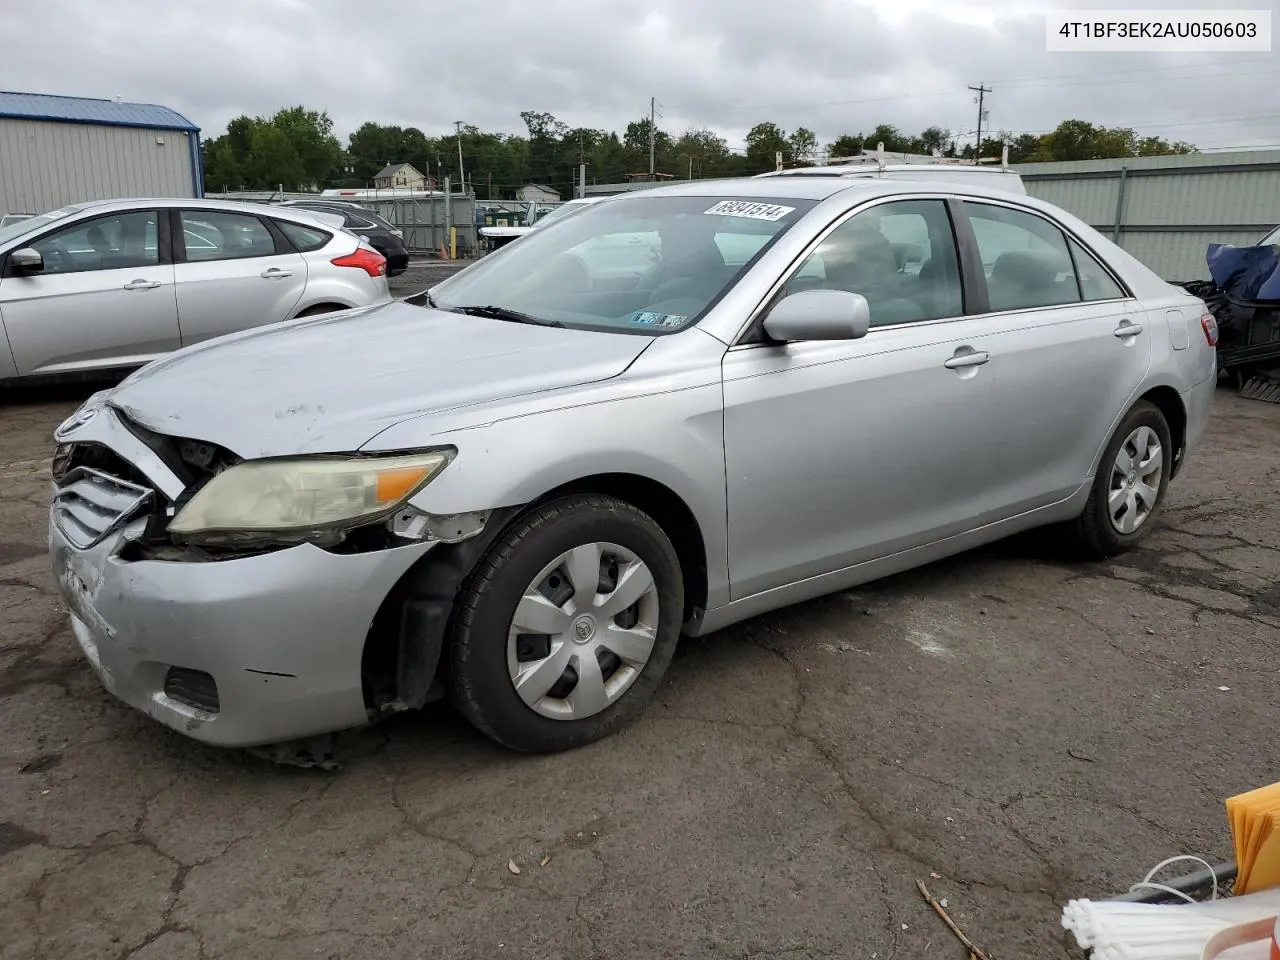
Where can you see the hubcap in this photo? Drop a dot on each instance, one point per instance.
(583, 631)
(1135, 480)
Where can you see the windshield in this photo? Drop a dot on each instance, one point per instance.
(642, 264)
(1270, 238)
(33, 223)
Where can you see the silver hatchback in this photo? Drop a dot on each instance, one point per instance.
(666, 413)
(115, 284)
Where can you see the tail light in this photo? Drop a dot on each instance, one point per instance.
(1210, 327)
(370, 261)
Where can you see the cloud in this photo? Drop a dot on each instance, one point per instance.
(835, 66)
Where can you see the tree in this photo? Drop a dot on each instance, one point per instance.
(1028, 148)
(608, 162)
(311, 134)
(221, 167)
(764, 142)
(373, 146)
(296, 147)
(803, 144)
(703, 151)
(845, 145)
(544, 164)
(934, 140)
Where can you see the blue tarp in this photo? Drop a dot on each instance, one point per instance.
(1245, 273)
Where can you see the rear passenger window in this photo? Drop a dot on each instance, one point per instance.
(304, 238)
(214, 235)
(901, 256)
(1024, 257)
(1095, 282)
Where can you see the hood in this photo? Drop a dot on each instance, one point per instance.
(331, 383)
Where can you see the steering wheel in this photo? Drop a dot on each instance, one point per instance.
(55, 255)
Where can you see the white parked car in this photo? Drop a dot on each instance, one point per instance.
(117, 283)
(494, 237)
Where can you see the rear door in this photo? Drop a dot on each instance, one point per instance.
(105, 297)
(1070, 348)
(233, 271)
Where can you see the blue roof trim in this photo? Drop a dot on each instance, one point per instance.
(107, 113)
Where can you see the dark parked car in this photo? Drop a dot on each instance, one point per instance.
(387, 239)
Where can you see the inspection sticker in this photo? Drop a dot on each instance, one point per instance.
(753, 211)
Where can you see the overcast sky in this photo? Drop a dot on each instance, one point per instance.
(834, 66)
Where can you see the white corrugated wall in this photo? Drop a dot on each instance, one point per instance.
(46, 164)
(1170, 213)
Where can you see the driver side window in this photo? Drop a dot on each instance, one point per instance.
(901, 256)
(114, 242)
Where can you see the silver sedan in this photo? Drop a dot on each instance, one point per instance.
(116, 283)
(671, 411)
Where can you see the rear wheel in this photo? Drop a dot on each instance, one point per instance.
(567, 625)
(1129, 488)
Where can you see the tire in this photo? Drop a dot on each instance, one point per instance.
(486, 649)
(1095, 531)
(320, 308)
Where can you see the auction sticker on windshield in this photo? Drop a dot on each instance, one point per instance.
(753, 211)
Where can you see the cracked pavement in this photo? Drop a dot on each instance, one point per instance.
(1027, 727)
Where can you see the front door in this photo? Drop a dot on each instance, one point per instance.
(104, 298)
(841, 452)
(233, 273)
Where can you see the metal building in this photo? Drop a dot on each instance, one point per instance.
(60, 150)
(1167, 210)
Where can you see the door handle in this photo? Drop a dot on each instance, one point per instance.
(275, 273)
(976, 359)
(1127, 329)
(142, 284)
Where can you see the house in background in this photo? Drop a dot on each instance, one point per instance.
(539, 193)
(404, 176)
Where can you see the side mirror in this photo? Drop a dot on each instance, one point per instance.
(819, 315)
(26, 260)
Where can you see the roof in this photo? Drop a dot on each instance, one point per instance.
(391, 168)
(820, 188)
(107, 113)
(541, 186)
(193, 203)
(864, 169)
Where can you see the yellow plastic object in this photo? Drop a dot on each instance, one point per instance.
(1255, 833)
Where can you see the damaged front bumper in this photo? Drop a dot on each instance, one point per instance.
(241, 652)
(246, 651)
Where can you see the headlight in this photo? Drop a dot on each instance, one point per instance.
(303, 499)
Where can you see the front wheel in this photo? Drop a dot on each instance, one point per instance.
(1129, 488)
(567, 626)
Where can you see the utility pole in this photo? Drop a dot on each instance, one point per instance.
(461, 175)
(653, 132)
(981, 91)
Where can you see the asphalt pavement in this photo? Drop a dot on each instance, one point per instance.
(1012, 727)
